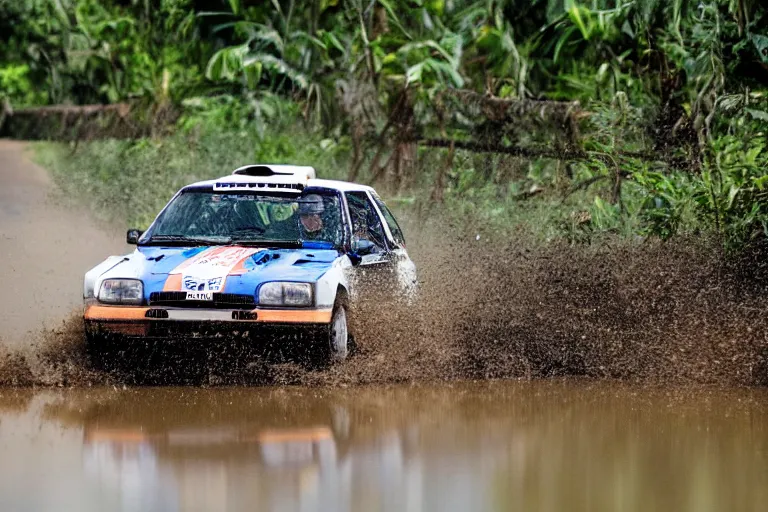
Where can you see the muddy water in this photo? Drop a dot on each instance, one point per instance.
(553, 445)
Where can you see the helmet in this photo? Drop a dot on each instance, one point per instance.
(311, 205)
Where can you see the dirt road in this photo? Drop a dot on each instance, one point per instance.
(45, 249)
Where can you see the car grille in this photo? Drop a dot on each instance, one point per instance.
(220, 300)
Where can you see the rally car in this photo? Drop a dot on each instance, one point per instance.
(265, 249)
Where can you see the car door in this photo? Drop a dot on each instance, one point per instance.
(388, 271)
(367, 225)
(403, 268)
(371, 280)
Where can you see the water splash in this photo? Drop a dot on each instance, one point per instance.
(657, 312)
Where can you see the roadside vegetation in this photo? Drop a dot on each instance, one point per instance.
(569, 120)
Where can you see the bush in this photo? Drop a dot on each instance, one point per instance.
(130, 181)
(16, 86)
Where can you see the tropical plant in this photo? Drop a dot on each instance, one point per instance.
(655, 108)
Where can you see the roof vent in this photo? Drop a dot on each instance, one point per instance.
(259, 170)
(301, 172)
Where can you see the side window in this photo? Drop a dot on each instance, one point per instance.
(365, 222)
(394, 228)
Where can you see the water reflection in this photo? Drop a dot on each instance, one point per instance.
(487, 446)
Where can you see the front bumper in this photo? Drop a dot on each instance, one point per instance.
(145, 321)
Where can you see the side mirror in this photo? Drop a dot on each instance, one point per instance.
(355, 258)
(360, 247)
(132, 236)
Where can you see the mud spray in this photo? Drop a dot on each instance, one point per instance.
(652, 312)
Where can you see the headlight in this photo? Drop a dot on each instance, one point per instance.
(121, 291)
(285, 294)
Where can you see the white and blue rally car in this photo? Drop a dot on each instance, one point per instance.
(265, 249)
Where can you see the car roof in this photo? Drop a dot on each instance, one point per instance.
(342, 186)
(299, 174)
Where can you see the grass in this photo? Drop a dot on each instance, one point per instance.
(129, 182)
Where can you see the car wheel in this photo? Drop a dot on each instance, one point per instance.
(338, 339)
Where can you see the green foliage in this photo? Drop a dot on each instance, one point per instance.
(16, 86)
(665, 204)
(733, 192)
(129, 182)
(670, 133)
(257, 112)
(89, 51)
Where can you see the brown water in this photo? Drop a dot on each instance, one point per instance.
(553, 445)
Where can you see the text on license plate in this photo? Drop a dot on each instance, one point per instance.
(199, 295)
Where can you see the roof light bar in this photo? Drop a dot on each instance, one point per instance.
(287, 187)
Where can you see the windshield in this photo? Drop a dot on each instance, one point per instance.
(203, 216)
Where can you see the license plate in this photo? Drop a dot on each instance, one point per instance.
(199, 295)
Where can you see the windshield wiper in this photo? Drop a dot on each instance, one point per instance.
(182, 240)
(277, 244)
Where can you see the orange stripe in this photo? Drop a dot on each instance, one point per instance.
(172, 283)
(239, 267)
(311, 316)
(115, 313)
(174, 280)
(205, 253)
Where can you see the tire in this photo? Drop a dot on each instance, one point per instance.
(338, 335)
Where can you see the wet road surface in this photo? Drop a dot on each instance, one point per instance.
(556, 445)
(45, 247)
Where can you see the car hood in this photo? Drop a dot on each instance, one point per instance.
(225, 269)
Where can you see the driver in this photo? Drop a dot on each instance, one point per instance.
(311, 224)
